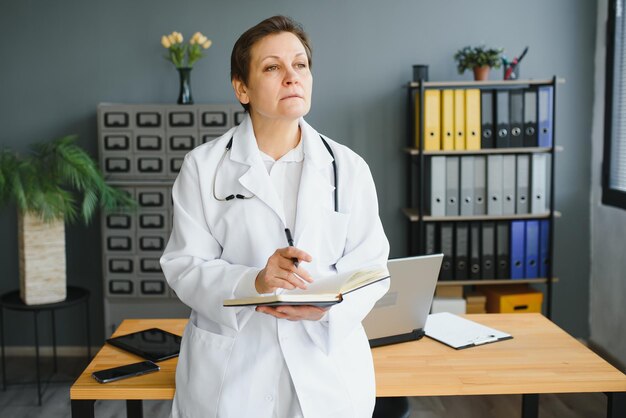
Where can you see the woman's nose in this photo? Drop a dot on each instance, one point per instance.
(291, 76)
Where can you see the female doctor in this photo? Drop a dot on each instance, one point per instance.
(233, 200)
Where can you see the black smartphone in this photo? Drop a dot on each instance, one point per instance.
(122, 372)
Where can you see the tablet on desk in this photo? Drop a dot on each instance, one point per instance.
(153, 344)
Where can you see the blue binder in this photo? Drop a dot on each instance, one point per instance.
(544, 110)
(544, 249)
(518, 232)
(532, 250)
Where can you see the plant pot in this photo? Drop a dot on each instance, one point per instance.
(481, 73)
(42, 260)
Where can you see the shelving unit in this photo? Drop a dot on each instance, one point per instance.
(415, 211)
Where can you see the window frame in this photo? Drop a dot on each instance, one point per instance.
(611, 197)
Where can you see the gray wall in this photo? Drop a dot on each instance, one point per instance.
(60, 59)
(608, 229)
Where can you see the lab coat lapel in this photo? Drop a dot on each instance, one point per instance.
(316, 184)
(256, 179)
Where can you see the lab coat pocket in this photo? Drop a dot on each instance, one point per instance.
(331, 233)
(201, 369)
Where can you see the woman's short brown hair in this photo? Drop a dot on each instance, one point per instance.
(241, 55)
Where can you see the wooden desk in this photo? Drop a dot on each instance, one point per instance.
(541, 358)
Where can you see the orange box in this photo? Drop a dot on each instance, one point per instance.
(512, 299)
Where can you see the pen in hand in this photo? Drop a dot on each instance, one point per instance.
(290, 242)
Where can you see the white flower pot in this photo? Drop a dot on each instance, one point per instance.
(42, 260)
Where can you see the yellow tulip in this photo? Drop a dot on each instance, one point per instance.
(165, 42)
(172, 39)
(207, 44)
(202, 39)
(179, 37)
(196, 36)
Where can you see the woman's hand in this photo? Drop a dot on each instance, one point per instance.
(294, 313)
(280, 271)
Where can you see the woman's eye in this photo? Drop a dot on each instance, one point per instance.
(271, 68)
(301, 65)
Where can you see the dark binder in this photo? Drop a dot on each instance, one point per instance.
(447, 248)
(462, 251)
(430, 246)
(518, 230)
(544, 249)
(488, 251)
(486, 119)
(502, 250)
(530, 118)
(502, 120)
(516, 117)
(474, 269)
(531, 256)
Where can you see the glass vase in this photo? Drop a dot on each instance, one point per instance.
(184, 95)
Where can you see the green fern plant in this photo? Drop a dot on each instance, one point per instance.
(57, 180)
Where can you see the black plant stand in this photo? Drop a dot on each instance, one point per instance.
(12, 301)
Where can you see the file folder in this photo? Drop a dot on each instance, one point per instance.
(467, 186)
(516, 117)
(518, 246)
(459, 119)
(475, 250)
(472, 119)
(502, 250)
(530, 118)
(544, 105)
(432, 124)
(447, 248)
(452, 186)
(544, 249)
(502, 120)
(461, 251)
(508, 184)
(447, 120)
(487, 139)
(531, 255)
(538, 183)
(494, 185)
(522, 183)
(480, 185)
(488, 259)
(430, 231)
(435, 192)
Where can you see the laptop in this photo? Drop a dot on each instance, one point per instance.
(401, 314)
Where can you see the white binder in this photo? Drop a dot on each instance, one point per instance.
(494, 185)
(480, 185)
(467, 186)
(452, 186)
(436, 195)
(523, 166)
(538, 203)
(508, 184)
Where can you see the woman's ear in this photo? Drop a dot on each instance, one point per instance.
(241, 91)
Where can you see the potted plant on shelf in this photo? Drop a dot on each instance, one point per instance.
(56, 182)
(479, 59)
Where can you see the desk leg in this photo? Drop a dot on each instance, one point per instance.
(616, 405)
(134, 409)
(36, 313)
(530, 405)
(83, 408)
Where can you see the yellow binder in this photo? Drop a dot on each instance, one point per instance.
(472, 119)
(447, 119)
(459, 119)
(431, 121)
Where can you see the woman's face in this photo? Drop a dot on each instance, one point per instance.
(280, 81)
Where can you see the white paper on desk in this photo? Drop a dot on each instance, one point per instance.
(459, 332)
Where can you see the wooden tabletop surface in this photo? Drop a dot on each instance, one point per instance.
(541, 358)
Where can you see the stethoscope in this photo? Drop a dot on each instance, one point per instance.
(240, 196)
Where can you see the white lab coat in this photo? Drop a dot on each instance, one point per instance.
(229, 356)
